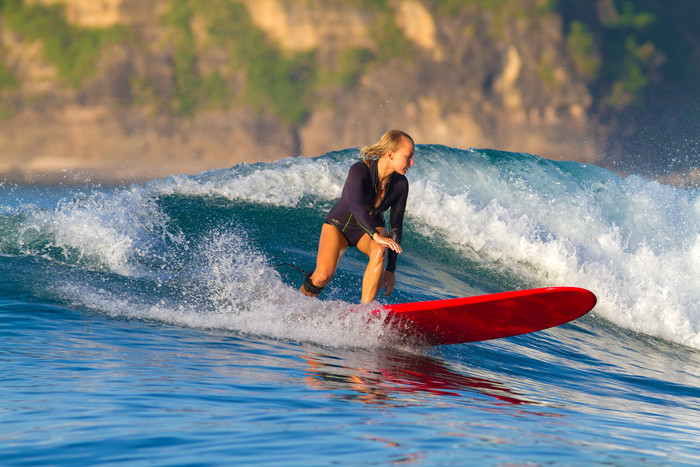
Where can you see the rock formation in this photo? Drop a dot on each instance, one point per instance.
(177, 86)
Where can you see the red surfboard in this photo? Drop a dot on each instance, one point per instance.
(485, 317)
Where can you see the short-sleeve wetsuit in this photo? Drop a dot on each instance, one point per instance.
(355, 214)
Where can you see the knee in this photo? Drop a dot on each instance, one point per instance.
(315, 283)
(377, 253)
(321, 278)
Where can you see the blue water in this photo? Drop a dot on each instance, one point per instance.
(148, 325)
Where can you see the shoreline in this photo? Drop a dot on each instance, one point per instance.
(126, 173)
(48, 170)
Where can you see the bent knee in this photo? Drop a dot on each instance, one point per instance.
(321, 278)
(378, 252)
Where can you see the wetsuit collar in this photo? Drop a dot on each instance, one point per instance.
(374, 174)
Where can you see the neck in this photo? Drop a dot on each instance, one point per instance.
(383, 169)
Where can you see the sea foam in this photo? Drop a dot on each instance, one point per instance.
(634, 242)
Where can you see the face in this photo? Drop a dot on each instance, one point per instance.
(402, 158)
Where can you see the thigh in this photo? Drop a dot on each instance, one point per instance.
(331, 248)
(365, 243)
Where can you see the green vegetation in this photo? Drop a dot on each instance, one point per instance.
(545, 71)
(626, 18)
(74, 51)
(187, 79)
(274, 79)
(546, 7)
(7, 79)
(630, 72)
(220, 58)
(500, 13)
(282, 83)
(390, 40)
(352, 64)
(630, 55)
(583, 50)
(619, 45)
(504, 9)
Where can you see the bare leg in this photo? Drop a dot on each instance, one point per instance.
(375, 266)
(331, 248)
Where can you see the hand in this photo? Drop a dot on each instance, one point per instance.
(388, 281)
(387, 242)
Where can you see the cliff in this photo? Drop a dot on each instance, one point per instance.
(134, 89)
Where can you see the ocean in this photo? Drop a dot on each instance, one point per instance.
(158, 323)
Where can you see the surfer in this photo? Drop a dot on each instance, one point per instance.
(374, 184)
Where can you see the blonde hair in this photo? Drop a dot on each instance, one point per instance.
(390, 141)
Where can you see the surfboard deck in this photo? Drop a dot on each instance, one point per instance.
(485, 317)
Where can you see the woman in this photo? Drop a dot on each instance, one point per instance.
(374, 185)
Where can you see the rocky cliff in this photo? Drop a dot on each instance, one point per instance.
(129, 89)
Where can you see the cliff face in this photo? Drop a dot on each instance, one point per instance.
(177, 86)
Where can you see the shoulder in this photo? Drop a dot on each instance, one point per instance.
(359, 169)
(401, 182)
(401, 187)
(360, 165)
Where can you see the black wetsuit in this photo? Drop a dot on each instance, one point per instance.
(355, 215)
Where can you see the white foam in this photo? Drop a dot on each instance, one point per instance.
(634, 242)
(235, 289)
(284, 183)
(109, 230)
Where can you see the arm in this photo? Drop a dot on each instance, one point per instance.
(355, 185)
(396, 226)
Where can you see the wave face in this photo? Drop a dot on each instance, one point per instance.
(204, 250)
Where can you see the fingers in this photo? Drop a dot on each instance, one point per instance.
(388, 281)
(388, 242)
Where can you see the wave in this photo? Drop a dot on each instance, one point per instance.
(200, 250)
